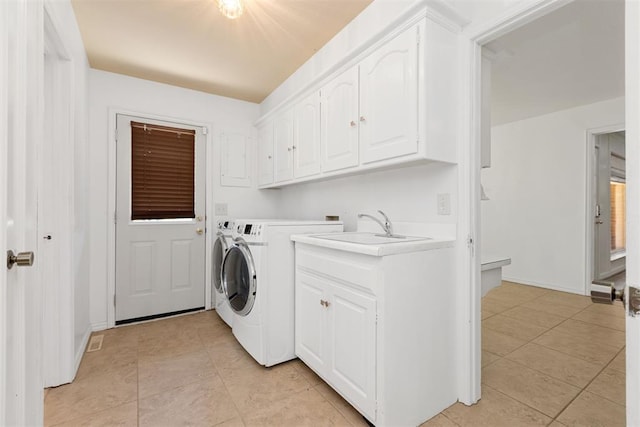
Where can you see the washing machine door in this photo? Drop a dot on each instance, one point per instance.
(239, 278)
(220, 248)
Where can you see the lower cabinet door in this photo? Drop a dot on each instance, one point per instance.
(352, 334)
(311, 321)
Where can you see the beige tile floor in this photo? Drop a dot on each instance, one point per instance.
(549, 358)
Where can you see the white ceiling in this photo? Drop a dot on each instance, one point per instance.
(573, 56)
(188, 43)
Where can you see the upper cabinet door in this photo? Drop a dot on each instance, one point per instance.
(283, 146)
(265, 155)
(389, 99)
(339, 118)
(306, 148)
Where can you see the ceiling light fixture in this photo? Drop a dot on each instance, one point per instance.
(230, 8)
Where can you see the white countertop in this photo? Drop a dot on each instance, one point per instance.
(494, 261)
(381, 249)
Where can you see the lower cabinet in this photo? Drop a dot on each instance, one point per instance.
(336, 336)
(379, 329)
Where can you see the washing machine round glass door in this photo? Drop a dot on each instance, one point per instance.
(239, 278)
(220, 248)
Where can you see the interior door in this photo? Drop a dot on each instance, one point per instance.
(160, 261)
(632, 111)
(21, 391)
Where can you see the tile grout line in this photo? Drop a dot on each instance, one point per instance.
(581, 390)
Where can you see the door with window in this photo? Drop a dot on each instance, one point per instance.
(160, 226)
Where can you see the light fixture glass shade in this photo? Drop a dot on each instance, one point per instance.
(230, 8)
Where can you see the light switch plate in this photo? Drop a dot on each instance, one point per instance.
(221, 209)
(444, 204)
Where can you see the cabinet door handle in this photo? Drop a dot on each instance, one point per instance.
(352, 123)
(324, 303)
(362, 119)
(288, 148)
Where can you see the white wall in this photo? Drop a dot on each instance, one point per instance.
(376, 16)
(405, 195)
(108, 90)
(537, 190)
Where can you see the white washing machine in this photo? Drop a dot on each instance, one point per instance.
(221, 244)
(257, 277)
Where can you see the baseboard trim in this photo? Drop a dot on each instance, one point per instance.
(542, 285)
(80, 351)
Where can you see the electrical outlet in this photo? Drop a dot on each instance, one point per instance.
(221, 209)
(444, 204)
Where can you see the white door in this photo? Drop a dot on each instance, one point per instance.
(306, 149)
(160, 260)
(283, 146)
(352, 328)
(235, 159)
(265, 154)
(339, 122)
(389, 99)
(632, 112)
(21, 56)
(311, 321)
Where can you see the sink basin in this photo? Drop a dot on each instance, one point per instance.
(369, 238)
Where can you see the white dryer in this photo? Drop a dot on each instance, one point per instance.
(221, 244)
(257, 277)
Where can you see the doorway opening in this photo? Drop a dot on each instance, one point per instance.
(536, 208)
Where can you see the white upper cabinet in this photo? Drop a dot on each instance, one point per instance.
(296, 140)
(306, 147)
(283, 146)
(339, 115)
(235, 147)
(395, 103)
(265, 155)
(388, 118)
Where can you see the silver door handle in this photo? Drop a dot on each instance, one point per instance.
(599, 222)
(23, 259)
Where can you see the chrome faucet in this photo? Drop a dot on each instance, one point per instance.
(386, 225)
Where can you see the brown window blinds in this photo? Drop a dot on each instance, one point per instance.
(162, 172)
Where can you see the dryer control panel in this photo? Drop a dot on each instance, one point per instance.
(225, 226)
(248, 229)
